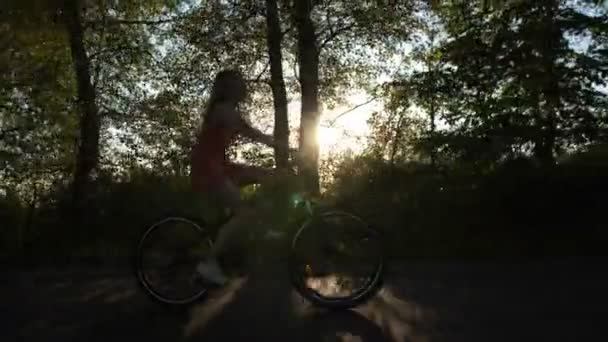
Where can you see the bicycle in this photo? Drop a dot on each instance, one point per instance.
(315, 277)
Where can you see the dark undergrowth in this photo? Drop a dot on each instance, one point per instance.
(516, 209)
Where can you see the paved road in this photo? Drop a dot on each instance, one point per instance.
(551, 300)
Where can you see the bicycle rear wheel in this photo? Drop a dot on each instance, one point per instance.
(337, 261)
(166, 259)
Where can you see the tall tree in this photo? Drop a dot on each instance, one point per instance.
(274, 38)
(517, 81)
(308, 57)
(558, 82)
(88, 148)
(350, 43)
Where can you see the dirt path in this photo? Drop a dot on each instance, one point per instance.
(558, 300)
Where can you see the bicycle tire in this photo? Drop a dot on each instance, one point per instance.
(371, 287)
(198, 227)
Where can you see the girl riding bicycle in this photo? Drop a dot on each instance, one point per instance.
(213, 173)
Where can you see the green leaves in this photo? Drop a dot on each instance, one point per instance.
(510, 79)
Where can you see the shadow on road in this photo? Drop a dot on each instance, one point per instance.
(264, 307)
(342, 326)
(555, 301)
(92, 306)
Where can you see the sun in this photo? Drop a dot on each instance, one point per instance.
(328, 139)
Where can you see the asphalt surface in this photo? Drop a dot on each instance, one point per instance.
(542, 300)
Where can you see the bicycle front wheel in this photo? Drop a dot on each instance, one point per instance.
(167, 255)
(337, 260)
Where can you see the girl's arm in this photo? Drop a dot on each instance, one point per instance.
(255, 134)
(230, 116)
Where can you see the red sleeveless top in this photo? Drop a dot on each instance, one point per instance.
(208, 156)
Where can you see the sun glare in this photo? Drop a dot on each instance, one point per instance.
(345, 128)
(328, 138)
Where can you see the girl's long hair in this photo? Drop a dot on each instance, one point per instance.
(221, 90)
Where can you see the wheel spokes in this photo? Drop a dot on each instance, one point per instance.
(167, 257)
(337, 259)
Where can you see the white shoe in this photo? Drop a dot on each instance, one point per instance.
(210, 270)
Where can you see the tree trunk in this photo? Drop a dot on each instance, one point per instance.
(279, 94)
(396, 140)
(432, 67)
(26, 227)
(551, 91)
(88, 149)
(545, 151)
(309, 83)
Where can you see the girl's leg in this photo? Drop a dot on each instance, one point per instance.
(229, 194)
(230, 197)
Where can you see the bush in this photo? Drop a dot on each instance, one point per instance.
(516, 209)
(12, 217)
(117, 212)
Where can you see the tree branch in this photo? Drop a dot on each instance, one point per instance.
(133, 21)
(329, 26)
(118, 21)
(259, 76)
(333, 34)
(296, 61)
(287, 30)
(97, 70)
(334, 120)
